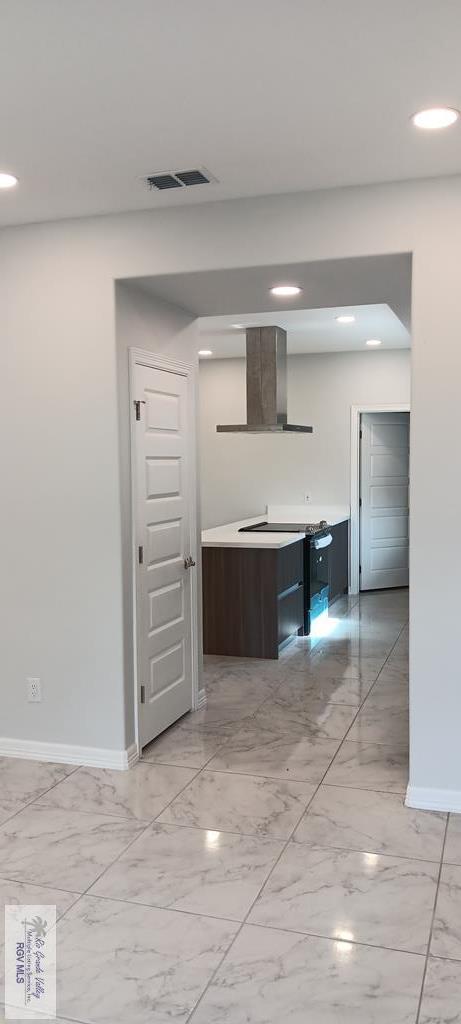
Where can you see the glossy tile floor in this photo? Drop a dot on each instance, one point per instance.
(258, 866)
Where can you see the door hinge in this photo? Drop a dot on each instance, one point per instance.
(140, 554)
(361, 434)
(360, 568)
(137, 404)
(143, 694)
(360, 503)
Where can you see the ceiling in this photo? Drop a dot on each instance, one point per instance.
(270, 96)
(238, 293)
(308, 330)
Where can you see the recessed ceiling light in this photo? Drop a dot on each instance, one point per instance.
(372, 342)
(205, 352)
(237, 327)
(286, 290)
(435, 117)
(345, 318)
(7, 180)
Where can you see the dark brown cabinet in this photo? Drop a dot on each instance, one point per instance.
(253, 599)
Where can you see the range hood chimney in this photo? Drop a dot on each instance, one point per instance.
(266, 385)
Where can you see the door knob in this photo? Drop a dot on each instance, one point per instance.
(189, 562)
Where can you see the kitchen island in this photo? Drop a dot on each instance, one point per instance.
(253, 583)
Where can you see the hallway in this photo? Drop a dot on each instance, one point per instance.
(258, 865)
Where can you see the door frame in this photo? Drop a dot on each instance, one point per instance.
(356, 413)
(159, 361)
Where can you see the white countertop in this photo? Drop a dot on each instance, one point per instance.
(228, 536)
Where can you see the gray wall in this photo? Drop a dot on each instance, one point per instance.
(61, 590)
(241, 473)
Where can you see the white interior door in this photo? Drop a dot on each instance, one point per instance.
(164, 491)
(384, 468)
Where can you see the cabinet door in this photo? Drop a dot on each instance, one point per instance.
(290, 614)
(339, 560)
(290, 590)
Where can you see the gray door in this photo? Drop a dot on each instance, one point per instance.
(384, 480)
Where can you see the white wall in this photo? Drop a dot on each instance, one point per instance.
(61, 606)
(241, 473)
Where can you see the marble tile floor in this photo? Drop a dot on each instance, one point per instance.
(258, 865)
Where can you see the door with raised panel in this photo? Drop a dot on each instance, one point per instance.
(384, 512)
(164, 491)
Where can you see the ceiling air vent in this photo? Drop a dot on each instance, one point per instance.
(179, 179)
(193, 178)
(162, 181)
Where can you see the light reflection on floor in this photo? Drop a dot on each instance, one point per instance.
(323, 626)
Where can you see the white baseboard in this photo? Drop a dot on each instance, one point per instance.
(65, 753)
(434, 799)
(201, 699)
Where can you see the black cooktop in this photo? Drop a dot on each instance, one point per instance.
(284, 528)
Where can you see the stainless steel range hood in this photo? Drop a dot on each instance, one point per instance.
(266, 385)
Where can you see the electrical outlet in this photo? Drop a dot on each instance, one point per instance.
(34, 690)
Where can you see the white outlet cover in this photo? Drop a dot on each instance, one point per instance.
(34, 690)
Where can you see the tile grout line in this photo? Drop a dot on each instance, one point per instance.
(429, 943)
(338, 739)
(211, 979)
(213, 975)
(363, 703)
(122, 852)
(126, 817)
(334, 704)
(104, 814)
(387, 659)
(268, 778)
(361, 851)
(253, 714)
(245, 919)
(142, 832)
(286, 673)
(316, 785)
(239, 724)
(332, 938)
(260, 890)
(362, 789)
(239, 929)
(35, 799)
(38, 885)
(447, 960)
(264, 883)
